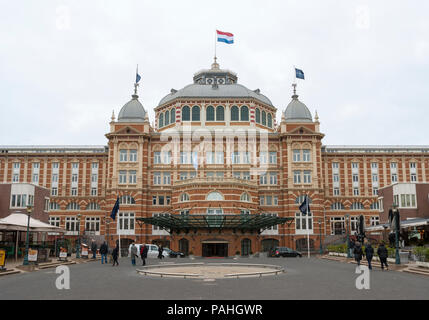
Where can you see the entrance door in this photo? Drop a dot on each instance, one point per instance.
(215, 249)
(184, 246)
(245, 247)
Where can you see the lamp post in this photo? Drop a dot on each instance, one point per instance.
(78, 237)
(347, 233)
(27, 241)
(107, 225)
(320, 232)
(397, 227)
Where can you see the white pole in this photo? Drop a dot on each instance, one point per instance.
(119, 245)
(308, 230)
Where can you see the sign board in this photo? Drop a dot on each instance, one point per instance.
(84, 251)
(63, 253)
(32, 255)
(2, 257)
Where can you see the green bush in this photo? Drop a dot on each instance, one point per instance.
(421, 253)
(339, 248)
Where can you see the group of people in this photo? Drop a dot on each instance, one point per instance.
(369, 253)
(104, 250)
(143, 253)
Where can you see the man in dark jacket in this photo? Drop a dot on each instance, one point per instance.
(103, 251)
(143, 253)
(160, 250)
(369, 253)
(115, 254)
(94, 249)
(358, 252)
(383, 254)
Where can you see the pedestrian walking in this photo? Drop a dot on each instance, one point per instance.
(115, 254)
(143, 253)
(94, 249)
(369, 253)
(351, 246)
(104, 249)
(383, 254)
(160, 250)
(133, 254)
(358, 252)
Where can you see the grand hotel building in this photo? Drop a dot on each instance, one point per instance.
(216, 175)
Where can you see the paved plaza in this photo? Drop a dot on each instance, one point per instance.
(304, 279)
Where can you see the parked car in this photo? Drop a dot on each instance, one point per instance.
(284, 252)
(152, 251)
(174, 254)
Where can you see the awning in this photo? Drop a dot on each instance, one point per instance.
(404, 224)
(235, 222)
(18, 222)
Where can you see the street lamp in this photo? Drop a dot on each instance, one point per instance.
(397, 227)
(27, 241)
(78, 237)
(347, 233)
(320, 232)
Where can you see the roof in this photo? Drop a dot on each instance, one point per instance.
(132, 111)
(404, 224)
(251, 222)
(220, 91)
(18, 222)
(296, 111)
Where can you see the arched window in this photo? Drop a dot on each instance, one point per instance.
(184, 197)
(186, 114)
(264, 118)
(73, 206)
(220, 113)
(234, 113)
(195, 113)
(356, 206)
(173, 115)
(300, 199)
(161, 120)
(167, 117)
(93, 206)
(127, 199)
(214, 196)
(375, 206)
(210, 116)
(54, 206)
(244, 113)
(245, 197)
(258, 115)
(337, 206)
(270, 121)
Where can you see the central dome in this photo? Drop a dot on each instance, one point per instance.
(296, 111)
(215, 83)
(132, 111)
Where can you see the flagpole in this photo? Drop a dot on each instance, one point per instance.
(215, 45)
(308, 229)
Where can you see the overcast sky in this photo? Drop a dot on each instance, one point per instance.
(65, 65)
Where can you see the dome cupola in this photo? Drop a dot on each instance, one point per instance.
(296, 111)
(133, 110)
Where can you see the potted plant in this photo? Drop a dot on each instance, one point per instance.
(191, 255)
(237, 255)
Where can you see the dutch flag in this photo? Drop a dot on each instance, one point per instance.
(225, 37)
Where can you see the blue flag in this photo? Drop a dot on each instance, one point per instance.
(115, 209)
(305, 206)
(299, 73)
(138, 78)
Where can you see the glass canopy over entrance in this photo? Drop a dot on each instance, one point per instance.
(249, 222)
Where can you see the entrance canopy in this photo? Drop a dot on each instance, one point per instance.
(250, 222)
(404, 224)
(19, 221)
